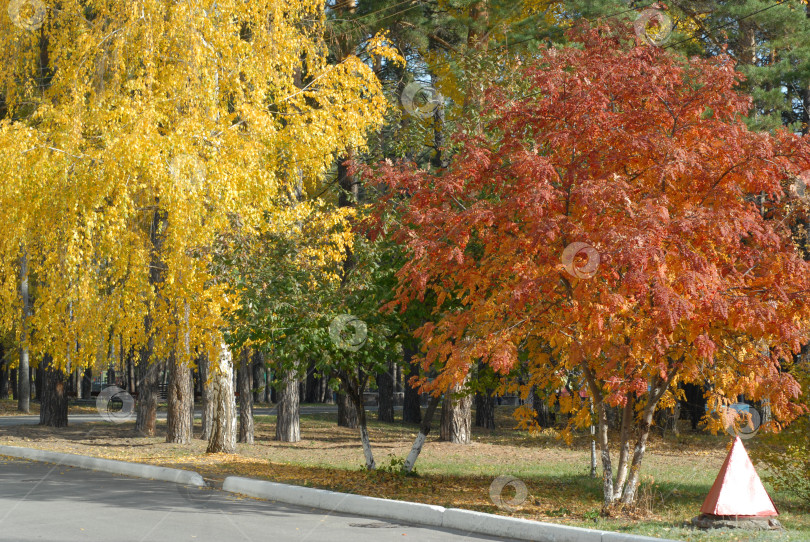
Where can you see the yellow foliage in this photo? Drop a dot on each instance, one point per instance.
(152, 126)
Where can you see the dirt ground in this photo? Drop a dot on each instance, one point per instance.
(8, 407)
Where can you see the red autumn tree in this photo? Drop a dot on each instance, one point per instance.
(613, 226)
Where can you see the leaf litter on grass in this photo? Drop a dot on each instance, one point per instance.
(678, 473)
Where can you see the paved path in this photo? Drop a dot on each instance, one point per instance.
(82, 418)
(44, 502)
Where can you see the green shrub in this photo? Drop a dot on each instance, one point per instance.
(787, 454)
(787, 457)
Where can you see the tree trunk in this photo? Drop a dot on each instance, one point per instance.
(398, 378)
(666, 419)
(131, 373)
(456, 417)
(312, 387)
(179, 419)
(190, 401)
(643, 432)
(542, 414)
(695, 404)
(747, 43)
(13, 383)
(424, 431)
(146, 409)
(385, 389)
(146, 412)
(111, 369)
(441, 158)
(288, 427)
(53, 410)
(347, 412)
(206, 396)
(24, 382)
(355, 386)
(676, 416)
(628, 416)
(40, 377)
(411, 407)
(360, 408)
(629, 495)
(268, 389)
(3, 374)
(485, 410)
(593, 450)
(259, 384)
(75, 383)
(364, 438)
(602, 436)
(327, 395)
(607, 466)
(367, 452)
(180, 396)
(245, 380)
(87, 382)
(223, 421)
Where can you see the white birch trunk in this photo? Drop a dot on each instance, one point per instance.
(370, 463)
(223, 424)
(424, 430)
(416, 449)
(593, 445)
(23, 383)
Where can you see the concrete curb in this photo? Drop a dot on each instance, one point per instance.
(521, 529)
(138, 470)
(465, 521)
(422, 514)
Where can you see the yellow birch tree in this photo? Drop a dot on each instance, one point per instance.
(133, 133)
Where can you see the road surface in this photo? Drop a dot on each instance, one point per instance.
(83, 418)
(45, 502)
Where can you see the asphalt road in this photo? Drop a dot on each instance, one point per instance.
(45, 502)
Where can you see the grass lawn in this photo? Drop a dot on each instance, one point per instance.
(677, 472)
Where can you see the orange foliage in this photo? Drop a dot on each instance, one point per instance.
(644, 157)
